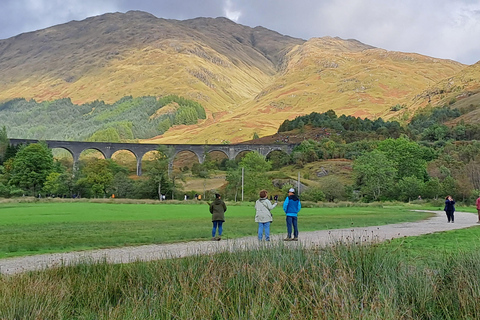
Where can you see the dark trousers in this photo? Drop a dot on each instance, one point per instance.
(220, 227)
(450, 215)
(292, 221)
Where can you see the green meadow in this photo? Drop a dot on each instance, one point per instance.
(45, 227)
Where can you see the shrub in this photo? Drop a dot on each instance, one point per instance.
(313, 194)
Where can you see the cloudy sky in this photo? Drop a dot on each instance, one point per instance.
(447, 29)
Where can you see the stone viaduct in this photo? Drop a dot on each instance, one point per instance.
(140, 149)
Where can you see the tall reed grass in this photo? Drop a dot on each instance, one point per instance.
(344, 281)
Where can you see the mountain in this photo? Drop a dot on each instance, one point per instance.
(248, 79)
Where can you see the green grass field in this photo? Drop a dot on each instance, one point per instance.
(34, 228)
(440, 243)
(435, 245)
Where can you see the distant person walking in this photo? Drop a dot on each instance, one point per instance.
(217, 209)
(292, 206)
(263, 216)
(478, 208)
(449, 208)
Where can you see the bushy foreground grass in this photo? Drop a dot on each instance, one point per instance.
(279, 282)
(43, 227)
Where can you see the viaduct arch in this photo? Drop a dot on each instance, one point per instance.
(140, 149)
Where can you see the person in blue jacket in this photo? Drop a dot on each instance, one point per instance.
(292, 206)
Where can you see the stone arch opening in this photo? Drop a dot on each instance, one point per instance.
(147, 161)
(64, 156)
(87, 156)
(184, 160)
(91, 153)
(215, 158)
(126, 158)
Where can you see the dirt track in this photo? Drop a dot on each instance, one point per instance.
(314, 238)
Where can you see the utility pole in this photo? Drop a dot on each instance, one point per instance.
(298, 183)
(242, 181)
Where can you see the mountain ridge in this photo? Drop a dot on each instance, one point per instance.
(248, 79)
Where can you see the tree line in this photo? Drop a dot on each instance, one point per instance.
(425, 158)
(429, 125)
(127, 119)
(31, 170)
(403, 167)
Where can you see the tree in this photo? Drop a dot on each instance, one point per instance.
(31, 167)
(313, 194)
(4, 143)
(227, 164)
(176, 175)
(278, 159)
(330, 148)
(200, 170)
(432, 189)
(208, 162)
(464, 186)
(473, 173)
(408, 157)
(255, 178)
(123, 186)
(332, 188)
(160, 168)
(234, 179)
(307, 151)
(10, 152)
(164, 125)
(409, 188)
(375, 174)
(449, 186)
(97, 176)
(60, 184)
(435, 132)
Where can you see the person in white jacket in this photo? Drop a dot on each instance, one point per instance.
(263, 216)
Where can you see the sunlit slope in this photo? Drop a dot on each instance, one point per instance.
(461, 90)
(213, 61)
(327, 73)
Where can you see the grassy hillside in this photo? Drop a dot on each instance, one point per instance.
(114, 55)
(248, 79)
(127, 119)
(328, 73)
(460, 91)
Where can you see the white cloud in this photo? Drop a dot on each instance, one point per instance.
(230, 13)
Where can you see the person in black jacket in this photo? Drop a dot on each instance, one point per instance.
(449, 208)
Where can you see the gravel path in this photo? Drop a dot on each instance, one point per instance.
(314, 238)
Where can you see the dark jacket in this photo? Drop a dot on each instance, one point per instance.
(217, 209)
(449, 205)
(292, 205)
